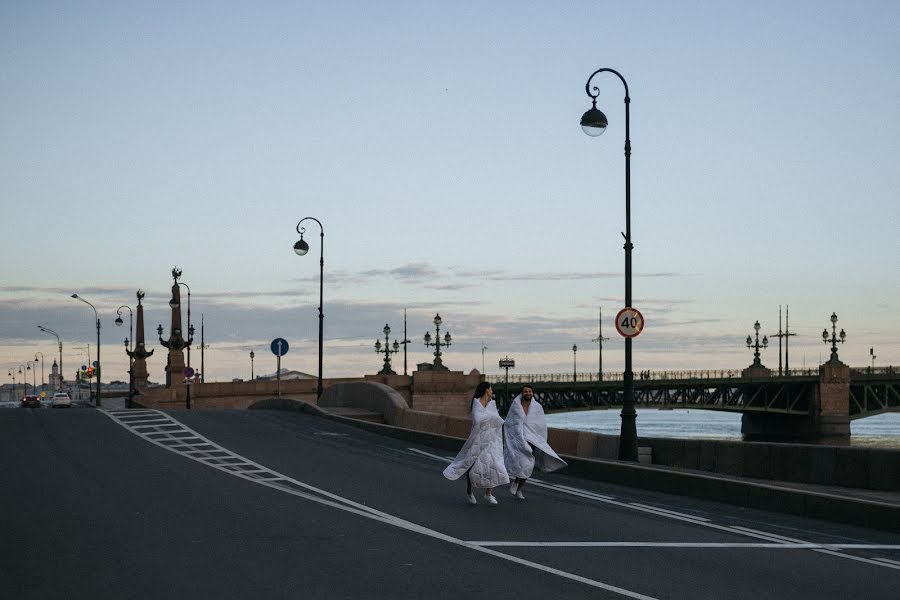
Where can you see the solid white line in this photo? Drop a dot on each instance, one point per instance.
(824, 548)
(778, 545)
(348, 505)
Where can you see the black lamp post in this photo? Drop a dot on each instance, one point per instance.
(835, 338)
(755, 346)
(129, 350)
(594, 123)
(386, 369)
(56, 335)
(252, 356)
(23, 371)
(574, 363)
(77, 297)
(42, 365)
(301, 248)
(12, 375)
(438, 364)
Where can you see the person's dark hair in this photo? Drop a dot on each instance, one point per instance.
(527, 385)
(481, 389)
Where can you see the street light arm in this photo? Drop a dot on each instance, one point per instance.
(587, 86)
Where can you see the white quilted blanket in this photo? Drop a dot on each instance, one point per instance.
(483, 451)
(526, 441)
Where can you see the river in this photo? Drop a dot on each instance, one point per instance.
(881, 431)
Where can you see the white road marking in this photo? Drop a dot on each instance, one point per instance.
(778, 545)
(822, 548)
(825, 548)
(282, 483)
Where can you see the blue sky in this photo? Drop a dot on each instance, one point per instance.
(439, 144)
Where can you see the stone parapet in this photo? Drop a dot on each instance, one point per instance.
(444, 392)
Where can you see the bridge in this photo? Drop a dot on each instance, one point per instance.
(771, 404)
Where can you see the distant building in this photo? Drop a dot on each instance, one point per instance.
(287, 374)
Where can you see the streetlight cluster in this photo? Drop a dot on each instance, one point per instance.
(438, 364)
(388, 350)
(755, 346)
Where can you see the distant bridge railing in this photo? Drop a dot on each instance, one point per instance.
(674, 375)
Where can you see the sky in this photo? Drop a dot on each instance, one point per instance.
(439, 145)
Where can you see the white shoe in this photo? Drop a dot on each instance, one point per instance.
(491, 499)
(520, 495)
(471, 499)
(513, 488)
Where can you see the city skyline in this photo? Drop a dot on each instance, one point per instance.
(441, 149)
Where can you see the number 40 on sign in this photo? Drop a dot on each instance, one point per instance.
(629, 322)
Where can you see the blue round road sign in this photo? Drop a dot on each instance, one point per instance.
(279, 347)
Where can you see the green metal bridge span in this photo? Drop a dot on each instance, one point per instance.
(871, 392)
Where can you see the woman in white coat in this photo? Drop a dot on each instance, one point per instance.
(526, 446)
(481, 458)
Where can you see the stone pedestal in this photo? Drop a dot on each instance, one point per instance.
(832, 405)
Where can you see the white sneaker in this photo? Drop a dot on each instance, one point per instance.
(471, 499)
(520, 495)
(491, 499)
(513, 488)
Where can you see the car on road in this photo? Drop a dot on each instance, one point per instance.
(61, 400)
(31, 402)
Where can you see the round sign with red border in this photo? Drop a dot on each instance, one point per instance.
(629, 322)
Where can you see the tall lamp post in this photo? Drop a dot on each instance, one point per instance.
(574, 363)
(33, 375)
(438, 364)
(97, 317)
(755, 346)
(835, 338)
(301, 248)
(129, 349)
(386, 369)
(594, 123)
(12, 375)
(42, 365)
(872, 354)
(23, 371)
(252, 356)
(56, 335)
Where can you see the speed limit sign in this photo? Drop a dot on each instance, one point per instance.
(629, 322)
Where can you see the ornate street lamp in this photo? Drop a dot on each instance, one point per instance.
(438, 364)
(835, 338)
(594, 123)
(129, 350)
(12, 375)
(386, 369)
(301, 248)
(574, 363)
(56, 335)
(252, 356)
(77, 297)
(756, 346)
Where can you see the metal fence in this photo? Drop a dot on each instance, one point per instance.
(589, 376)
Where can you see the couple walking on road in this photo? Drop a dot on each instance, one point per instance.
(487, 461)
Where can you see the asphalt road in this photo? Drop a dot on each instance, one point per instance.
(260, 504)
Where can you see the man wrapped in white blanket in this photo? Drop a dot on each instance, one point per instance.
(526, 448)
